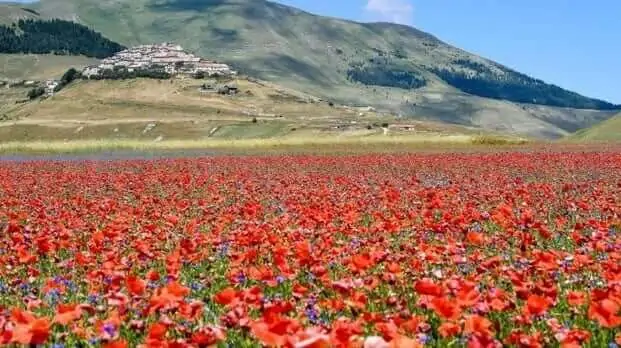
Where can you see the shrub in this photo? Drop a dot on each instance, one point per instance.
(36, 93)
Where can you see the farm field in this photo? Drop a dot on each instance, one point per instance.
(454, 249)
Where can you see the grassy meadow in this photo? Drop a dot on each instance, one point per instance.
(39, 66)
(175, 114)
(330, 144)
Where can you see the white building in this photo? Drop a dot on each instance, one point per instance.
(50, 86)
(171, 57)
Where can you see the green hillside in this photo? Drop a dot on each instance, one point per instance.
(609, 130)
(392, 67)
(12, 13)
(39, 66)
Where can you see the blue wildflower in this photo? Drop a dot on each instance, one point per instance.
(109, 329)
(312, 314)
(241, 278)
(69, 284)
(53, 297)
(24, 287)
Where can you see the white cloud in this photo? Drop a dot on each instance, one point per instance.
(396, 11)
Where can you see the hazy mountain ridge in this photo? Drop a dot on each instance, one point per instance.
(344, 61)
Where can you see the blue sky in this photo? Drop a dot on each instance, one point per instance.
(575, 44)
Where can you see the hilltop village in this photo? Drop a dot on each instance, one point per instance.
(161, 61)
(166, 57)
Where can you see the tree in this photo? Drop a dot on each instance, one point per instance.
(381, 74)
(514, 86)
(36, 93)
(69, 76)
(120, 73)
(55, 36)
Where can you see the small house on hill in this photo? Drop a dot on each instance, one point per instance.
(228, 90)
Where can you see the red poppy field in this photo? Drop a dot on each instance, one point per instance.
(517, 249)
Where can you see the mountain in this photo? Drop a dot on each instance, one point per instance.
(388, 66)
(609, 130)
